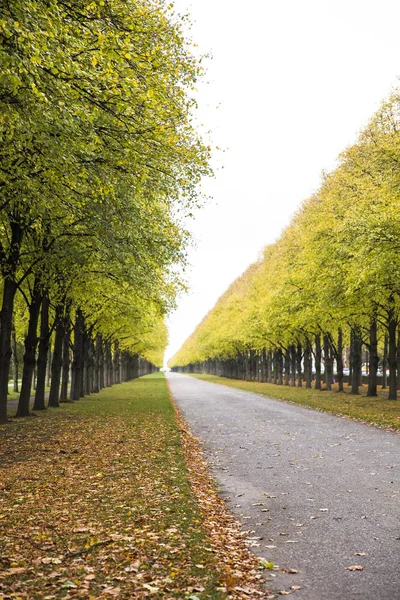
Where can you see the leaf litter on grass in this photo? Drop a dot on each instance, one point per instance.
(96, 504)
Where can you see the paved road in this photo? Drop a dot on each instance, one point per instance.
(313, 488)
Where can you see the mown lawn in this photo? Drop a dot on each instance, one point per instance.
(96, 502)
(378, 411)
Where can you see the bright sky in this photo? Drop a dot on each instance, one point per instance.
(295, 80)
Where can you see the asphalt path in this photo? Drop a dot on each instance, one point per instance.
(315, 493)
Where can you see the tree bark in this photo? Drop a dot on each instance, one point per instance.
(385, 361)
(339, 359)
(49, 362)
(392, 327)
(39, 403)
(293, 365)
(356, 358)
(299, 354)
(318, 356)
(263, 366)
(280, 366)
(14, 359)
(9, 268)
(307, 364)
(327, 363)
(398, 359)
(31, 341)
(373, 358)
(65, 354)
(56, 363)
(287, 366)
(77, 361)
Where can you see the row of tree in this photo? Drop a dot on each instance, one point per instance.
(328, 288)
(99, 161)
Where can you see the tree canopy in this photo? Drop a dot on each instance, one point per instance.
(99, 159)
(333, 274)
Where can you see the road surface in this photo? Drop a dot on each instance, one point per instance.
(316, 493)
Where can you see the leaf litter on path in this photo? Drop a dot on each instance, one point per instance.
(112, 515)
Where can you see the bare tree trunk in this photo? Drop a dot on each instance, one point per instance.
(339, 360)
(318, 357)
(307, 364)
(392, 327)
(373, 358)
(77, 362)
(356, 360)
(14, 359)
(39, 403)
(327, 363)
(49, 362)
(299, 354)
(56, 363)
(8, 267)
(31, 341)
(287, 366)
(385, 362)
(293, 366)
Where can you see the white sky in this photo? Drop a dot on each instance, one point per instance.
(295, 80)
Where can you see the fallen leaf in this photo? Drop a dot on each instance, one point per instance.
(152, 588)
(355, 568)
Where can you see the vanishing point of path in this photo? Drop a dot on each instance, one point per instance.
(311, 489)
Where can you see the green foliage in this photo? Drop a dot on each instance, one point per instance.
(335, 266)
(98, 159)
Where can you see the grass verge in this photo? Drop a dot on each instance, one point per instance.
(376, 411)
(96, 503)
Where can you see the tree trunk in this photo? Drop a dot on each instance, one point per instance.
(39, 403)
(263, 366)
(85, 390)
(307, 364)
(14, 359)
(293, 365)
(318, 357)
(31, 341)
(8, 267)
(275, 367)
(385, 362)
(65, 354)
(299, 354)
(77, 361)
(101, 364)
(6, 316)
(373, 358)
(280, 366)
(49, 363)
(356, 360)
(350, 381)
(339, 360)
(287, 366)
(327, 363)
(392, 326)
(56, 364)
(398, 360)
(269, 367)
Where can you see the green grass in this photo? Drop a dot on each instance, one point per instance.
(104, 477)
(378, 411)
